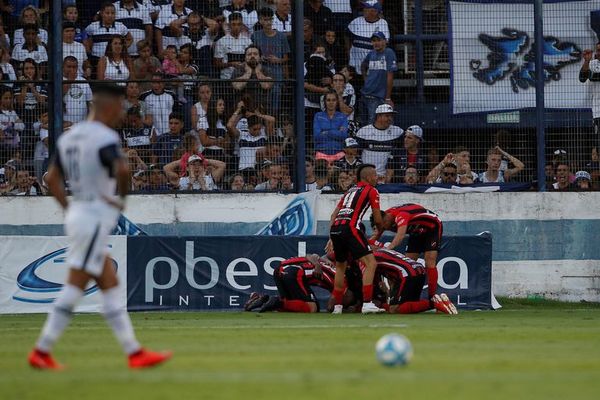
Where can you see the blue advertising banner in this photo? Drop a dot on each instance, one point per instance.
(219, 273)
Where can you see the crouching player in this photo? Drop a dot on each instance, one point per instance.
(406, 278)
(425, 230)
(294, 278)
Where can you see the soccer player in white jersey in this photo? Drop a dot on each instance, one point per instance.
(89, 157)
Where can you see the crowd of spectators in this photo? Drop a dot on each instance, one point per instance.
(209, 101)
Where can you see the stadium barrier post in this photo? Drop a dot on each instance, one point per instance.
(420, 62)
(55, 105)
(299, 123)
(538, 16)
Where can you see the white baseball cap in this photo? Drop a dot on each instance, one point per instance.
(415, 130)
(195, 157)
(583, 175)
(385, 109)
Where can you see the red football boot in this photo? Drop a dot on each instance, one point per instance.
(440, 305)
(448, 303)
(145, 358)
(40, 360)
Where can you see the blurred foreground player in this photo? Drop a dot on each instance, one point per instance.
(89, 157)
(346, 238)
(406, 278)
(425, 230)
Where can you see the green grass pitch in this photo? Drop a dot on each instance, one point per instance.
(527, 350)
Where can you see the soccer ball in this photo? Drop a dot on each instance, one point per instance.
(393, 349)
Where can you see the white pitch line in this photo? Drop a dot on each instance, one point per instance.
(225, 327)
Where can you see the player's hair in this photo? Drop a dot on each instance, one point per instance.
(361, 168)
(372, 218)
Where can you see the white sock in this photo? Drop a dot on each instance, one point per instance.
(59, 318)
(119, 321)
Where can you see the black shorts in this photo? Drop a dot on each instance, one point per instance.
(348, 241)
(429, 240)
(292, 284)
(409, 289)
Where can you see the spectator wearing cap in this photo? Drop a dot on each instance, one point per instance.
(230, 49)
(30, 16)
(410, 152)
(378, 70)
(136, 17)
(202, 175)
(167, 144)
(160, 103)
(562, 184)
(350, 160)
(494, 173)
(583, 181)
(171, 26)
(247, 12)
(320, 15)
(361, 30)
(30, 49)
(100, 32)
(330, 129)
(379, 141)
(72, 48)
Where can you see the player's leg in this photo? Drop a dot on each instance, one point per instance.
(338, 285)
(368, 275)
(58, 319)
(301, 298)
(432, 272)
(409, 297)
(116, 316)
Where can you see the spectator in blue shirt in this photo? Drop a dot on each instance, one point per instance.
(330, 129)
(378, 69)
(168, 145)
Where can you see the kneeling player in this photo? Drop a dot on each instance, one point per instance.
(425, 230)
(406, 278)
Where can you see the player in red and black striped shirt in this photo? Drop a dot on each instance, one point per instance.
(346, 238)
(425, 230)
(407, 278)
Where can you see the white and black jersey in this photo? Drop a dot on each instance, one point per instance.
(165, 18)
(19, 39)
(231, 49)
(360, 31)
(249, 145)
(159, 105)
(378, 145)
(76, 50)
(86, 154)
(249, 16)
(136, 20)
(283, 25)
(38, 54)
(101, 35)
(138, 137)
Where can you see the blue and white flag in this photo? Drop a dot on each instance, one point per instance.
(297, 219)
(127, 228)
(493, 54)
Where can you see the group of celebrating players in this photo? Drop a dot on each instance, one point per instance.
(358, 277)
(363, 274)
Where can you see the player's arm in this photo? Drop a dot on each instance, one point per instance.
(376, 207)
(112, 158)
(584, 72)
(56, 182)
(400, 233)
(314, 260)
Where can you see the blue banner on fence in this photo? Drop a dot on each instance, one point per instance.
(219, 273)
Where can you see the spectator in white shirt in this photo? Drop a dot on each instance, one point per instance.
(283, 17)
(172, 26)
(230, 49)
(115, 65)
(11, 125)
(6, 68)
(77, 95)
(159, 103)
(30, 49)
(72, 48)
(100, 32)
(136, 17)
(30, 16)
(361, 30)
(249, 15)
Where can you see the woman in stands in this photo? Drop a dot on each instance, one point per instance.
(214, 137)
(30, 98)
(199, 109)
(115, 65)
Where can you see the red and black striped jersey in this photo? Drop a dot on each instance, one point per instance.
(396, 266)
(416, 217)
(354, 204)
(325, 280)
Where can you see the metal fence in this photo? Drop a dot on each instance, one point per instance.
(220, 95)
